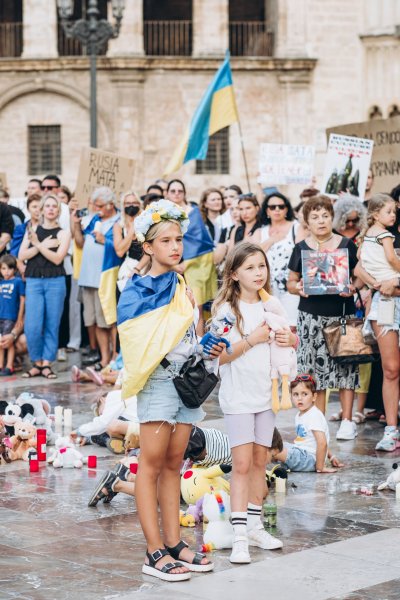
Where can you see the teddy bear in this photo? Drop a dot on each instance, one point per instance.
(23, 439)
(39, 409)
(65, 454)
(197, 481)
(392, 480)
(217, 511)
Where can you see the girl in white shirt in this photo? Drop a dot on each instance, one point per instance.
(245, 393)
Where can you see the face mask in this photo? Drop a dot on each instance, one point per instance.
(132, 211)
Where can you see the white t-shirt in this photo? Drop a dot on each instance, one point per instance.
(307, 422)
(185, 347)
(246, 382)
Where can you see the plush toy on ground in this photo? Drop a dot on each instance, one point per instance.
(23, 439)
(392, 480)
(197, 481)
(195, 510)
(5, 445)
(186, 520)
(39, 409)
(278, 472)
(283, 362)
(220, 327)
(11, 413)
(65, 455)
(219, 532)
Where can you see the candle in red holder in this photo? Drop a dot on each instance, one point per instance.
(133, 468)
(33, 462)
(92, 462)
(41, 443)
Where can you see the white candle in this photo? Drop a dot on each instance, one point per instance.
(58, 414)
(280, 485)
(398, 491)
(67, 417)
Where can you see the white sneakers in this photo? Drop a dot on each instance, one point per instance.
(262, 539)
(255, 537)
(347, 430)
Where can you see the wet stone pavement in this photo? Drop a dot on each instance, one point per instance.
(52, 545)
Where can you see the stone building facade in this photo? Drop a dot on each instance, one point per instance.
(305, 65)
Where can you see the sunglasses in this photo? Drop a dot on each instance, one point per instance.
(48, 187)
(300, 378)
(354, 221)
(276, 206)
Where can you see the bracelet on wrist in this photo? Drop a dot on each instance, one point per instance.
(14, 335)
(246, 337)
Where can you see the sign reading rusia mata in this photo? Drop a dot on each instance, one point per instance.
(99, 168)
(385, 162)
(3, 181)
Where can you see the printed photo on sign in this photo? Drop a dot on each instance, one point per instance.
(347, 163)
(285, 164)
(325, 272)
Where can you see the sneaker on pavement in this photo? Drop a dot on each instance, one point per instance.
(240, 551)
(347, 430)
(390, 440)
(62, 355)
(262, 539)
(91, 358)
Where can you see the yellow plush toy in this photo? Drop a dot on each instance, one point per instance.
(197, 481)
(186, 520)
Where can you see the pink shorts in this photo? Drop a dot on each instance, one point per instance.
(247, 428)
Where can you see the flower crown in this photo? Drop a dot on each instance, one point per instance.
(163, 210)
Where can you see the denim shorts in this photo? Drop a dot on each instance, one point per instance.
(159, 401)
(299, 459)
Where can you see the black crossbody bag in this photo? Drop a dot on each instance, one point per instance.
(194, 383)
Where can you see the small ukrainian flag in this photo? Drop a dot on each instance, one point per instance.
(216, 110)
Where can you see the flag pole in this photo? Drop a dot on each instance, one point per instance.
(244, 155)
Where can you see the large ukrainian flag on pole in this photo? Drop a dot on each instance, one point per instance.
(216, 110)
(154, 313)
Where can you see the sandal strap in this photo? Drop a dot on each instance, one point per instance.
(198, 557)
(155, 556)
(175, 551)
(170, 567)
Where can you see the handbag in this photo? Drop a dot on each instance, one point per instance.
(345, 341)
(193, 383)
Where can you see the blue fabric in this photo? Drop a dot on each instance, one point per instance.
(298, 459)
(196, 241)
(142, 295)
(17, 238)
(44, 306)
(95, 257)
(10, 298)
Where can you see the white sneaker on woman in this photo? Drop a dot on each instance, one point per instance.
(240, 550)
(262, 539)
(347, 430)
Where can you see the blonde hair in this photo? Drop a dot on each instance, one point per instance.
(43, 202)
(375, 203)
(154, 232)
(230, 288)
(121, 206)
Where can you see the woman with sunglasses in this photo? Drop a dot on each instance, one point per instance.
(278, 235)
(350, 217)
(249, 221)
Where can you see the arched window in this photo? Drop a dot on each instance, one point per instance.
(249, 34)
(375, 113)
(71, 46)
(167, 27)
(394, 111)
(10, 28)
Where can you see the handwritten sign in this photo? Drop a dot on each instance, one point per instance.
(3, 181)
(285, 164)
(385, 162)
(347, 164)
(98, 168)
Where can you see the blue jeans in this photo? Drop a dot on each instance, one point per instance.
(43, 309)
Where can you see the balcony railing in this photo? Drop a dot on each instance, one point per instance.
(250, 38)
(68, 46)
(168, 38)
(10, 40)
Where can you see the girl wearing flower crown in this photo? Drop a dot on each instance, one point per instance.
(156, 316)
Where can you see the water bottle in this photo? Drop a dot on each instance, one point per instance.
(270, 515)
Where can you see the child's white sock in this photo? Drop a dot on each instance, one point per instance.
(253, 515)
(239, 523)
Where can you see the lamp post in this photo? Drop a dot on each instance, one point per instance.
(93, 32)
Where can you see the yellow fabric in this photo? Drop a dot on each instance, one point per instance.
(147, 339)
(201, 277)
(178, 156)
(264, 295)
(77, 261)
(107, 294)
(223, 109)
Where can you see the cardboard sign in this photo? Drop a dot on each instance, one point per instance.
(385, 163)
(347, 164)
(99, 168)
(3, 181)
(285, 164)
(325, 272)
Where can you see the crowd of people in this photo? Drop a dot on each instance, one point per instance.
(64, 270)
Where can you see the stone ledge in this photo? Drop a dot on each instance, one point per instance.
(147, 63)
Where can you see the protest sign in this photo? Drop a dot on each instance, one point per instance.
(98, 168)
(347, 164)
(3, 181)
(285, 164)
(385, 163)
(325, 272)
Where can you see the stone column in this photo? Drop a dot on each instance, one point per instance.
(39, 29)
(291, 29)
(130, 39)
(210, 27)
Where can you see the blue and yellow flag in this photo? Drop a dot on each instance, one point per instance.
(154, 314)
(216, 110)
